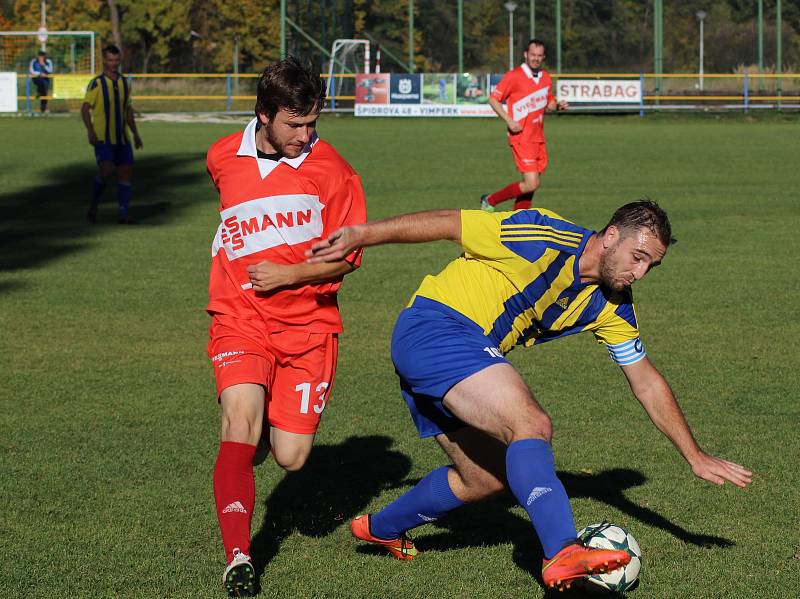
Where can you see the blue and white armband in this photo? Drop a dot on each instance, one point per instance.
(628, 352)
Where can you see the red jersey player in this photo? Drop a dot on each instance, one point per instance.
(527, 92)
(275, 320)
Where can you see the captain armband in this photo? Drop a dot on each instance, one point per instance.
(627, 352)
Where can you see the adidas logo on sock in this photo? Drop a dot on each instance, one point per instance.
(536, 493)
(236, 506)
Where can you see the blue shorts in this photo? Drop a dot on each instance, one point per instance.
(433, 348)
(119, 154)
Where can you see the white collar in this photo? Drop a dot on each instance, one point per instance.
(265, 165)
(527, 70)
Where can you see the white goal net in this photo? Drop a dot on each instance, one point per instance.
(70, 51)
(348, 57)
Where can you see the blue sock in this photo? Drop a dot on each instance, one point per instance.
(431, 499)
(97, 191)
(124, 193)
(531, 473)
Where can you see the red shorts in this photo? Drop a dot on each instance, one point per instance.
(530, 158)
(295, 367)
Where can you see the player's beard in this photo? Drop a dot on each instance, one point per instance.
(609, 273)
(535, 68)
(282, 148)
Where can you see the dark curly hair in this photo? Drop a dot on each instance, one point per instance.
(292, 85)
(536, 42)
(643, 214)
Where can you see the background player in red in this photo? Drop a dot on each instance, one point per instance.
(275, 319)
(527, 92)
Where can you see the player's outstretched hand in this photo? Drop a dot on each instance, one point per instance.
(562, 105)
(266, 276)
(717, 471)
(336, 247)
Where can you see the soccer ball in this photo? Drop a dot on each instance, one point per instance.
(610, 536)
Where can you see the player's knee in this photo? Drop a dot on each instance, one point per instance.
(240, 429)
(105, 173)
(535, 425)
(529, 186)
(292, 460)
(241, 411)
(542, 427)
(291, 465)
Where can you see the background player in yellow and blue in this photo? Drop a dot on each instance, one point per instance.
(107, 114)
(525, 277)
(527, 92)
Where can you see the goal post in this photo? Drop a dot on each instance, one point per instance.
(348, 57)
(71, 51)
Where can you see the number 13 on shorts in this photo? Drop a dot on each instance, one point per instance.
(305, 397)
(302, 381)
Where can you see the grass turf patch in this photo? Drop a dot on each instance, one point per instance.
(110, 425)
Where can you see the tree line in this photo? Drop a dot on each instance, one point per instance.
(597, 35)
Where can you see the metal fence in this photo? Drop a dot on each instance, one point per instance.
(228, 92)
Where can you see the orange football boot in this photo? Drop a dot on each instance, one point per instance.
(578, 561)
(400, 548)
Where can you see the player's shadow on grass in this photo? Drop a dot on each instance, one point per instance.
(493, 523)
(608, 487)
(47, 221)
(335, 485)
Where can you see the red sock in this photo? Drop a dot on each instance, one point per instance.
(508, 192)
(523, 201)
(235, 494)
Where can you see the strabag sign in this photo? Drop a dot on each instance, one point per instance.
(600, 91)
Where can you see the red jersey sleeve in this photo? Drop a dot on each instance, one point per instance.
(211, 166)
(345, 207)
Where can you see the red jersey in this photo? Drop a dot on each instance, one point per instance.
(274, 210)
(526, 96)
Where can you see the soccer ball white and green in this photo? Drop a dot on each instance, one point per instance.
(611, 536)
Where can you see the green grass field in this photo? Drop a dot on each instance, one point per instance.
(109, 424)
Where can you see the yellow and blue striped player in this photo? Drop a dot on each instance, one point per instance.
(107, 114)
(525, 278)
(517, 283)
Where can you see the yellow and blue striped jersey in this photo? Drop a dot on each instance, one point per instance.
(518, 279)
(109, 101)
